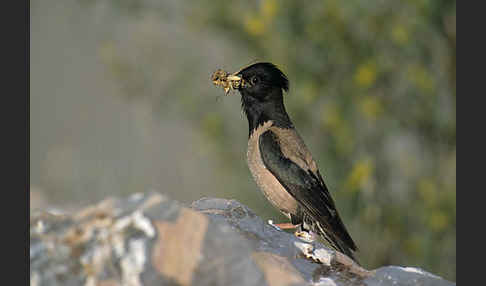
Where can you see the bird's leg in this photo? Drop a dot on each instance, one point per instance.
(286, 225)
(300, 232)
(280, 226)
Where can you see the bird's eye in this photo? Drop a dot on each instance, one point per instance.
(254, 80)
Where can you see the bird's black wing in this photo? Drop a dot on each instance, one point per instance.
(308, 189)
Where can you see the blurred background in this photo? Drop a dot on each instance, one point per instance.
(121, 102)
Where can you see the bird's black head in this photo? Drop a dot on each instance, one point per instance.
(262, 81)
(261, 91)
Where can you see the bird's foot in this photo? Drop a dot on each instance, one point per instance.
(306, 236)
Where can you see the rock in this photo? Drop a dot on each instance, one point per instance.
(151, 240)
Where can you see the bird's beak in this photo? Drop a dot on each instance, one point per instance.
(234, 78)
(235, 82)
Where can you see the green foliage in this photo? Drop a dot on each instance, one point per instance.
(373, 91)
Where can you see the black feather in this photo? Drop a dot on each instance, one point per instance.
(310, 191)
(262, 99)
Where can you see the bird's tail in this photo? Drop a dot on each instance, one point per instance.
(335, 243)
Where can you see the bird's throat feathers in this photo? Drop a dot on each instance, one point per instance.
(260, 111)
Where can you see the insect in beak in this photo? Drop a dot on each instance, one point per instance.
(227, 81)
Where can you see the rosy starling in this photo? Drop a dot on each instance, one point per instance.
(278, 158)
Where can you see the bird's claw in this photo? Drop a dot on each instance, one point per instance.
(305, 235)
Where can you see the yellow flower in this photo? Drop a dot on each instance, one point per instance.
(371, 107)
(438, 221)
(366, 75)
(254, 26)
(269, 9)
(421, 78)
(399, 34)
(412, 245)
(360, 175)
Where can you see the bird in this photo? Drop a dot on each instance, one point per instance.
(279, 161)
